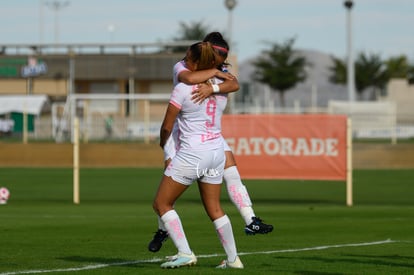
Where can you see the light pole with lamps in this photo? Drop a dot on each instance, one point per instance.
(230, 5)
(111, 31)
(351, 72)
(56, 6)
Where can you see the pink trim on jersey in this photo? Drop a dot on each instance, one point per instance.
(210, 136)
(175, 104)
(178, 68)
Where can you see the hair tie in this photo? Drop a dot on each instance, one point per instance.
(220, 49)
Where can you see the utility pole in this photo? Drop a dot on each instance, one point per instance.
(56, 6)
(351, 72)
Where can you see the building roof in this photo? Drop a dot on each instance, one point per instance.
(31, 104)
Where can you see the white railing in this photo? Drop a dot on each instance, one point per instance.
(146, 111)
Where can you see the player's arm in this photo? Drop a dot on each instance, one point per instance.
(228, 85)
(168, 123)
(205, 90)
(196, 77)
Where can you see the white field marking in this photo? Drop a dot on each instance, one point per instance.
(155, 260)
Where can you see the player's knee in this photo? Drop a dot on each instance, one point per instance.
(160, 207)
(155, 207)
(230, 160)
(215, 213)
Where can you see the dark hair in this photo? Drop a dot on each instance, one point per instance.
(220, 45)
(203, 54)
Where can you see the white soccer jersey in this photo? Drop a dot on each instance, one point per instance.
(177, 69)
(173, 142)
(199, 124)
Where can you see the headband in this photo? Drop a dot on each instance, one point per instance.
(221, 49)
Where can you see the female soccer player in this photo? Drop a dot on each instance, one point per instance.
(200, 158)
(236, 189)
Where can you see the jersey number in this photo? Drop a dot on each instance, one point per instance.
(211, 112)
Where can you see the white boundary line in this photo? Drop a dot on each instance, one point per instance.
(155, 260)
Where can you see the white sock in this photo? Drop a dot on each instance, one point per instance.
(247, 214)
(238, 193)
(225, 234)
(161, 224)
(175, 230)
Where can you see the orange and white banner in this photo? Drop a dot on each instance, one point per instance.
(288, 146)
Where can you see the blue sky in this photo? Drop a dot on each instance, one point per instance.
(382, 27)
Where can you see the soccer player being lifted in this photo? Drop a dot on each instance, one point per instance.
(200, 158)
(237, 191)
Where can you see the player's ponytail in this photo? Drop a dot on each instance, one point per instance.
(202, 54)
(207, 57)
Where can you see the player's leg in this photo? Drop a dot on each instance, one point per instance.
(168, 192)
(210, 189)
(237, 191)
(210, 195)
(161, 235)
(240, 197)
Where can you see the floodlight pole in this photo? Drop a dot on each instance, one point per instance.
(351, 72)
(41, 4)
(230, 5)
(56, 6)
(111, 31)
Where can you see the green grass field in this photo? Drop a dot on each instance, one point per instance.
(42, 231)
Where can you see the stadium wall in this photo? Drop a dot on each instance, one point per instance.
(91, 155)
(365, 156)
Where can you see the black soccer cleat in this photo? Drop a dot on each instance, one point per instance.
(258, 227)
(156, 243)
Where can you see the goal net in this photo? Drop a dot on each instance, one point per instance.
(110, 116)
(369, 119)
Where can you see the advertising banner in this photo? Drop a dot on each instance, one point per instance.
(309, 146)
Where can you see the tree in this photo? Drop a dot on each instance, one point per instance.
(280, 67)
(370, 72)
(410, 74)
(397, 67)
(338, 71)
(193, 31)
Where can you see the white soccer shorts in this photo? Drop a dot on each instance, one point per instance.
(204, 166)
(170, 147)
